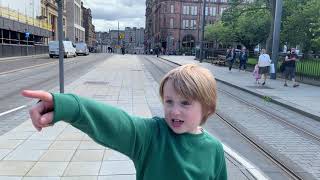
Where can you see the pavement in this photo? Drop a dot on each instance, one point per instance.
(63, 152)
(304, 99)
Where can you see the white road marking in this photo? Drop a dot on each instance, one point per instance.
(12, 110)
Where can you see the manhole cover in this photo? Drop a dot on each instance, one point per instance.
(97, 82)
(259, 87)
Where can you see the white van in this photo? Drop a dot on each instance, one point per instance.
(69, 50)
(82, 48)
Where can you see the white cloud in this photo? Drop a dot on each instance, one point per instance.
(107, 13)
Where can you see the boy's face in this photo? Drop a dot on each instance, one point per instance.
(182, 115)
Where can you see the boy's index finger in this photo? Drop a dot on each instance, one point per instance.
(42, 95)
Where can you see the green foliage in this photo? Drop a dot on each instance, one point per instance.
(301, 23)
(250, 23)
(247, 24)
(252, 28)
(219, 32)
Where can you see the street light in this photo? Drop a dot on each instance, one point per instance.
(203, 21)
(276, 39)
(61, 51)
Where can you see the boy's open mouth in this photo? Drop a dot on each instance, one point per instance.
(176, 122)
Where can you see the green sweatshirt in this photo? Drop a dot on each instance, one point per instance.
(156, 151)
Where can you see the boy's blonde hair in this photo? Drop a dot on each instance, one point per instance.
(193, 83)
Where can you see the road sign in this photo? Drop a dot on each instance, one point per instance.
(27, 34)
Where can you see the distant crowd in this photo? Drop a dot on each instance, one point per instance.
(262, 68)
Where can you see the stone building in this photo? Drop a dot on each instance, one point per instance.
(49, 14)
(75, 29)
(90, 36)
(175, 25)
(23, 29)
(134, 40)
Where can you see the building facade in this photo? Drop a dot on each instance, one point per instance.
(134, 40)
(90, 36)
(175, 26)
(23, 31)
(75, 29)
(49, 14)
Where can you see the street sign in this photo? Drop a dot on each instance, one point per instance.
(27, 34)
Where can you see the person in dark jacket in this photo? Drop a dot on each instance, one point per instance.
(243, 58)
(290, 68)
(231, 57)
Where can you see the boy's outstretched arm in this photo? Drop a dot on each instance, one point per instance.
(107, 125)
(41, 114)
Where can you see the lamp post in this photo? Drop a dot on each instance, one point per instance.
(203, 21)
(276, 38)
(61, 51)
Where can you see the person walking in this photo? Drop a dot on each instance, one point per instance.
(264, 65)
(231, 57)
(290, 67)
(243, 58)
(256, 74)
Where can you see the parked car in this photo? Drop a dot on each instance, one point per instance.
(82, 48)
(68, 48)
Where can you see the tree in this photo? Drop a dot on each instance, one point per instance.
(301, 24)
(243, 23)
(219, 32)
(251, 28)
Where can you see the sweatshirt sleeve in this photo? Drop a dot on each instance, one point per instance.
(107, 125)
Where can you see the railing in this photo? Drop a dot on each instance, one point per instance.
(307, 70)
(17, 16)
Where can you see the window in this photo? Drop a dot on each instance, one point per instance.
(171, 22)
(189, 24)
(211, 11)
(185, 24)
(222, 9)
(194, 10)
(193, 24)
(186, 10)
(172, 9)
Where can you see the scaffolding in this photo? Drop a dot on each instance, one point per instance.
(20, 17)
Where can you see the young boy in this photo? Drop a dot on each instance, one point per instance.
(174, 147)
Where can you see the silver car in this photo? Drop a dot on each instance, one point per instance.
(82, 48)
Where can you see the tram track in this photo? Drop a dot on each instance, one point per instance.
(283, 166)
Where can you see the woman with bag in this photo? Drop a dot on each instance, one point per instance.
(264, 65)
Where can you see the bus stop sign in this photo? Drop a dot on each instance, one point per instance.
(27, 34)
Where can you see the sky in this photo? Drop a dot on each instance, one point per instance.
(107, 13)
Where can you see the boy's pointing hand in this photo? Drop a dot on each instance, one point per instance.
(41, 114)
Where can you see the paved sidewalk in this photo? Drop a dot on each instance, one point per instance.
(63, 152)
(304, 99)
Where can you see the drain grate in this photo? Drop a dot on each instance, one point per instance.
(259, 87)
(97, 82)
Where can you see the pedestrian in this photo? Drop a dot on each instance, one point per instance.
(290, 68)
(264, 65)
(157, 51)
(243, 59)
(256, 74)
(231, 57)
(173, 147)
